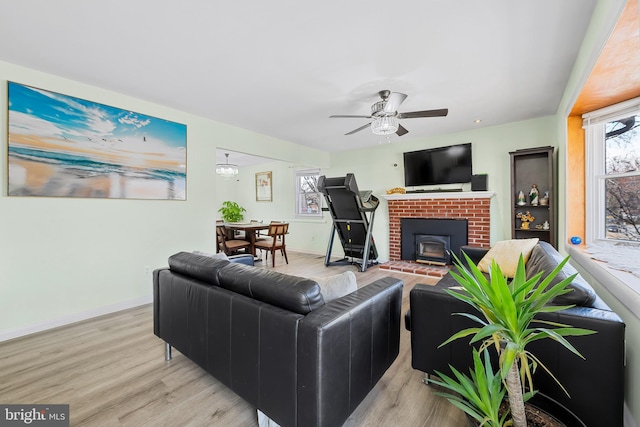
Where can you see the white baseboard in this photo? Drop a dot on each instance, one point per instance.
(77, 317)
(628, 417)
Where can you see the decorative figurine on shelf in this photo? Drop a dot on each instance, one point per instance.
(545, 225)
(544, 201)
(534, 195)
(521, 200)
(526, 219)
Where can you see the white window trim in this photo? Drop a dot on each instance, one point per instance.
(595, 164)
(623, 286)
(302, 172)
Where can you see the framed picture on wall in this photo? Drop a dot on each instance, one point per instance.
(62, 146)
(263, 187)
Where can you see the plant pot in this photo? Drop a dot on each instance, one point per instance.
(555, 410)
(547, 413)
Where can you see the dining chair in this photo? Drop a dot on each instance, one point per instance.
(229, 246)
(275, 242)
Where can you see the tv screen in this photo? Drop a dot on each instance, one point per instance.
(443, 165)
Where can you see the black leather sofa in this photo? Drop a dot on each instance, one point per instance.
(595, 385)
(271, 338)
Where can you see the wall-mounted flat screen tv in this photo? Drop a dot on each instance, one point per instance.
(443, 165)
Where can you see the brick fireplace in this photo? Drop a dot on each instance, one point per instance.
(474, 206)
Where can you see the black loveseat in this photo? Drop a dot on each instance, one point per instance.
(595, 385)
(273, 340)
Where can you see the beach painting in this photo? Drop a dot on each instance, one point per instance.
(61, 146)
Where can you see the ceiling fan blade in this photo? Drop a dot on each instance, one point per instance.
(426, 113)
(393, 102)
(401, 130)
(359, 129)
(347, 116)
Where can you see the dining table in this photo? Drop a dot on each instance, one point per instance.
(250, 231)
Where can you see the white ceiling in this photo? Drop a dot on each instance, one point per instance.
(282, 67)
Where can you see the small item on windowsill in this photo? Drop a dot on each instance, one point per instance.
(576, 240)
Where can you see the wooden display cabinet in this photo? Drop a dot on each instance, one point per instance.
(528, 167)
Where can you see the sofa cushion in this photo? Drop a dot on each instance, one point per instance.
(337, 286)
(282, 290)
(545, 258)
(201, 267)
(506, 254)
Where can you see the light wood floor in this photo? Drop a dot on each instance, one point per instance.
(112, 372)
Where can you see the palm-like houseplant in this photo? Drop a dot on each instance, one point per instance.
(509, 308)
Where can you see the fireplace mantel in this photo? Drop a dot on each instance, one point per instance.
(443, 195)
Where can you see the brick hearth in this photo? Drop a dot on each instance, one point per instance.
(475, 207)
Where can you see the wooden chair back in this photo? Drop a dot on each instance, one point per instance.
(226, 245)
(277, 232)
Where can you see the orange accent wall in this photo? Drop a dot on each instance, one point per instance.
(576, 197)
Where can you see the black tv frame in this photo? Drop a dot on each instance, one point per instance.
(432, 167)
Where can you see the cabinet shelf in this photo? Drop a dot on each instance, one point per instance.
(531, 206)
(528, 167)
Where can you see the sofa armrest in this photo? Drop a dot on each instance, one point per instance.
(601, 369)
(344, 348)
(476, 253)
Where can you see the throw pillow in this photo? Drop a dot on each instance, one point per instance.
(219, 255)
(506, 254)
(334, 287)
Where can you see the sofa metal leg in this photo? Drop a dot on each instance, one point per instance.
(167, 351)
(426, 378)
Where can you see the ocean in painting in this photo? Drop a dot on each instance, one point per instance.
(73, 175)
(60, 146)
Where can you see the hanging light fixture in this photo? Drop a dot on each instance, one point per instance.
(227, 169)
(385, 125)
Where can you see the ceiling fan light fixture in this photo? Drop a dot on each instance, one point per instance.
(384, 125)
(227, 170)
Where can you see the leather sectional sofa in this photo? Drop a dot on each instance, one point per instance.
(273, 340)
(595, 385)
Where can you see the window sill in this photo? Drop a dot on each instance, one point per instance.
(622, 285)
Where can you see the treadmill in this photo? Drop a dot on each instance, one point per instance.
(352, 212)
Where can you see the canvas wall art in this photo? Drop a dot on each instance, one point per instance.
(263, 187)
(62, 146)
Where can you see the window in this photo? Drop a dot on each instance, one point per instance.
(613, 173)
(308, 198)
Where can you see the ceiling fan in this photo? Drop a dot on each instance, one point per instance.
(385, 115)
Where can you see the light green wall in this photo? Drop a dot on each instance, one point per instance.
(65, 259)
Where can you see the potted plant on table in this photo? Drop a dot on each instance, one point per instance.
(231, 211)
(508, 309)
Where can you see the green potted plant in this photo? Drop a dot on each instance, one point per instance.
(231, 211)
(480, 394)
(508, 309)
